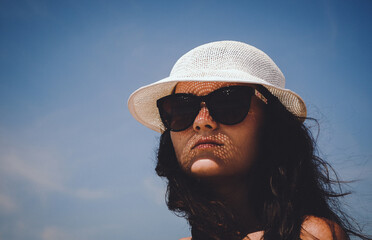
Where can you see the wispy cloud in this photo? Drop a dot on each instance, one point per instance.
(54, 233)
(41, 170)
(154, 189)
(7, 204)
(37, 169)
(79, 233)
(91, 194)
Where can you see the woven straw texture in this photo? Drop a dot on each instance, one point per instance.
(227, 61)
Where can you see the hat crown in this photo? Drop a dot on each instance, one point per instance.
(228, 60)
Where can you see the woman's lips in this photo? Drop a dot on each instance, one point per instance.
(206, 143)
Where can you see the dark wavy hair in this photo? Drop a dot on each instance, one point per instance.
(292, 183)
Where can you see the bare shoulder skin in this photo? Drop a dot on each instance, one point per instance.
(313, 228)
(322, 229)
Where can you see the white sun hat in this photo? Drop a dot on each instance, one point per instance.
(222, 61)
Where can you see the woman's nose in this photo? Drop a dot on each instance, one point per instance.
(204, 120)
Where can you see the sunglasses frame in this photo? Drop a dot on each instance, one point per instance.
(205, 101)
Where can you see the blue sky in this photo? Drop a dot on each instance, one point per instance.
(74, 164)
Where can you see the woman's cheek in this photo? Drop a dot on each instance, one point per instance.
(179, 142)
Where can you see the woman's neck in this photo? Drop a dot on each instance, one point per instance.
(236, 193)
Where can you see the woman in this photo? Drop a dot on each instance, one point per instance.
(239, 161)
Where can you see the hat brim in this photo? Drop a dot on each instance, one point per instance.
(142, 102)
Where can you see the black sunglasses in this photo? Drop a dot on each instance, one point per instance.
(227, 105)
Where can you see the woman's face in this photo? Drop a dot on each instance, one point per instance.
(211, 149)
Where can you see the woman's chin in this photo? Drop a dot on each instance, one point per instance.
(205, 168)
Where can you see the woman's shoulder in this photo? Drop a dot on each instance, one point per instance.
(252, 236)
(322, 229)
(312, 228)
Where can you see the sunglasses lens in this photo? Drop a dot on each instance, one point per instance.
(178, 111)
(230, 106)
